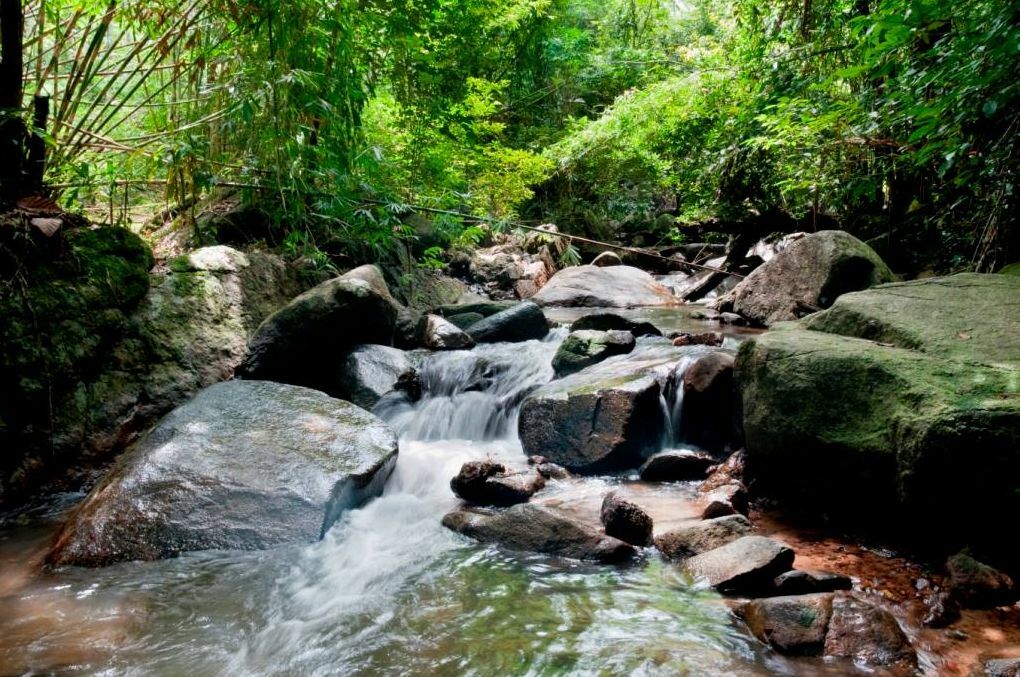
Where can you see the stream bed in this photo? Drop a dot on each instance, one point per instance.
(389, 590)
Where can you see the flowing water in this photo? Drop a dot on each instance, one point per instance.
(388, 590)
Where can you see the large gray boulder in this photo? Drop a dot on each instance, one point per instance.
(601, 418)
(294, 344)
(908, 389)
(533, 528)
(371, 371)
(810, 274)
(613, 287)
(244, 465)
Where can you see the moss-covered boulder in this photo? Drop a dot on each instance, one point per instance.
(806, 276)
(586, 347)
(902, 401)
(119, 348)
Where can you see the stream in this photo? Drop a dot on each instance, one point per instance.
(389, 590)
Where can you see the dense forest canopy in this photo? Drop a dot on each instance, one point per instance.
(896, 119)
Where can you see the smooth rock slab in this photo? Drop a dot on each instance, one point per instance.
(244, 465)
(612, 287)
(747, 565)
(703, 536)
(533, 528)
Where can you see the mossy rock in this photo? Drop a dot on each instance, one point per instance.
(892, 402)
(1010, 269)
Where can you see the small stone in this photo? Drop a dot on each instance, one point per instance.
(708, 338)
(977, 585)
(943, 610)
(625, 520)
(732, 318)
(552, 471)
(799, 582)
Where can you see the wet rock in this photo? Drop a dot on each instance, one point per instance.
(793, 625)
(729, 499)
(747, 565)
(625, 520)
(523, 322)
(483, 308)
(708, 338)
(941, 610)
(612, 287)
(711, 409)
(976, 585)
(552, 471)
(800, 582)
(703, 536)
(807, 276)
(440, 334)
(676, 466)
(606, 259)
(489, 483)
(292, 344)
(610, 321)
(731, 470)
(534, 528)
(868, 393)
(733, 318)
(586, 347)
(1002, 667)
(867, 635)
(602, 418)
(370, 371)
(244, 465)
(464, 320)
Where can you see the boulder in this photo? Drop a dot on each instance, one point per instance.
(625, 520)
(606, 259)
(605, 417)
(483, 308)
(111, 349)
(371, 371)
(523, 322)
(728, 499)
(807, 276)
(532, 528)
(438, 333)
(293, 344)
(710, 410)
(747, 565)
(867, 635)
(610, 321)
(489, 483)
(918, 373)
(703, 536)
(464, 320)
(508, 271)
(586, 347)
(243, 465)
(613, 287)
(799, 582)
(974, 584)
(676, 465)
(708, 338)
(793, 625)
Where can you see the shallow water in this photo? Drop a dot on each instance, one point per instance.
(389, 590)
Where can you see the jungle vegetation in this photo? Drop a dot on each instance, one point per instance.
(669, 119)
